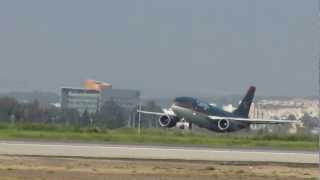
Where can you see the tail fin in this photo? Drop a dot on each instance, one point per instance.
(244, 107)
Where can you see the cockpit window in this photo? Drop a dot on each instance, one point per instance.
(203, 105)
(185, 102)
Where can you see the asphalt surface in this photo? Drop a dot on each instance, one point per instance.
(154, 152)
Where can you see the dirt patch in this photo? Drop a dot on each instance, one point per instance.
(43, 168)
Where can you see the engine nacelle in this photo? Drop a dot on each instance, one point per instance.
(166, 121)
(223, 124)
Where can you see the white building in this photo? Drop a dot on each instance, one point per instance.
(283, 108)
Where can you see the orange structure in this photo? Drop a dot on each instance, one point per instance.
(96, 85)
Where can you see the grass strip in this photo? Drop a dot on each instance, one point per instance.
(157, 136)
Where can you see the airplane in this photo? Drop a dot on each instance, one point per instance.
(193, 111)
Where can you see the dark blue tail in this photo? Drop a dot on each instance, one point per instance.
(244, 107)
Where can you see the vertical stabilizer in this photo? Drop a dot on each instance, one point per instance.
(244, 107)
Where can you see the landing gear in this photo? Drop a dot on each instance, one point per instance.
(190, 126)
(187, 124)
(184, 125)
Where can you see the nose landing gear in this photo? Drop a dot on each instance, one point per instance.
(190, 126)
(183, 124)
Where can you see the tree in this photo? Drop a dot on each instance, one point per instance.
(309, 122)
(151, 121)
(110, 116)
(85, 119)
(69, 117)
(54, 114)
(292, 117)
(7, 107)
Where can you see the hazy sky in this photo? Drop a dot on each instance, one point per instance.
(162, 47)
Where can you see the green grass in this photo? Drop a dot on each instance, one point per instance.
(156, 136)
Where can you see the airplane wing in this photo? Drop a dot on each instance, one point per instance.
(151, 113)
(166, 112)
(254, 121)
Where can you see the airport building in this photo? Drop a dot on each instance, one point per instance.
(80, 99)
(94, 94)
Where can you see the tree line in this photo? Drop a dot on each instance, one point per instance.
(110, 116)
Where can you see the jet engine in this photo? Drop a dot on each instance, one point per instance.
(223, 124)
(166, 121)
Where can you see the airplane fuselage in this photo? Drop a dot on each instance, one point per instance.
(196, 112)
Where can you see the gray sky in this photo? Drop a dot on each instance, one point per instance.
(163, 47)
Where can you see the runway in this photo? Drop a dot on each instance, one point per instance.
(153, 152)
